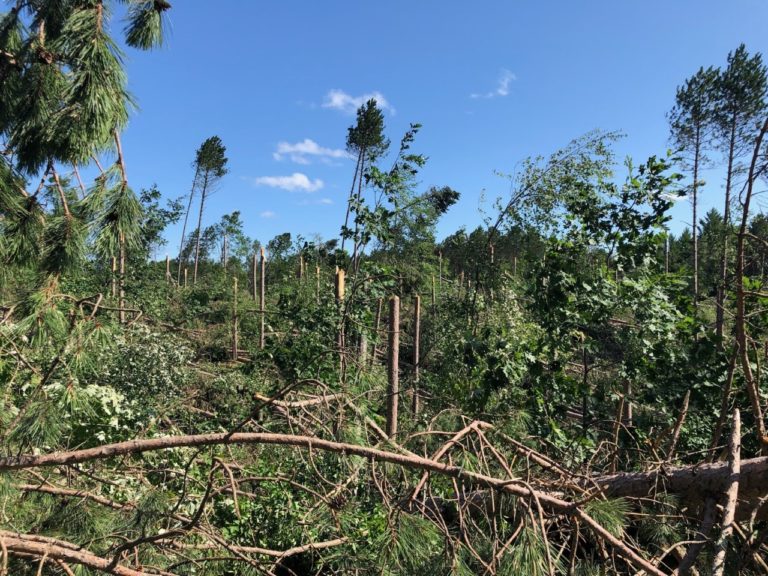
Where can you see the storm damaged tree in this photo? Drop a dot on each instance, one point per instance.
(210, 167)
(367, 141)
(740, 103)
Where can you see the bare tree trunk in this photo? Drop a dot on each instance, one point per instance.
(741, 323)
(235, 335)
(124, 176)
(416, 354)
(351, 195)
(186, 218)
(224, 254)
(113, 265)
(376, 329)
(434, 294)
(358, 197)
(262, 298)
(731, 496)
(254, 272)
(121, 278)
(695, 224)
(721, 288)
(339, 292)
(203, 192)
(393, 366)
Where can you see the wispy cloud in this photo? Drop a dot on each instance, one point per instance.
(295, 182)
(502, 87)
(320, 202)
(303, 152)
(340, 100)
(267, 214)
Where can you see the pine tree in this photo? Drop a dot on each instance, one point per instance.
(691, 124)
(211, 165)
(365, 139)
(740, 103)
(64, 100)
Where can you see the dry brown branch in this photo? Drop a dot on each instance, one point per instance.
(548, 501)
(63, 551)
(275, 553)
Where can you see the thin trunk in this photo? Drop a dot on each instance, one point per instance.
(203, 193)
(79, 179)
(434, 294)
(416, 355)
(339, 292)
(62, 195)
(720, 312)
(393, 366)
(351, 194)
(357, 245)
(695, 224)
(124, 174)
(254, 281)
(184, 228)
(224, 253)
(584, 391)
(741, 324)
(262, 298)
(121, 277)
(113, 266)
(235, 334)
(376, 329)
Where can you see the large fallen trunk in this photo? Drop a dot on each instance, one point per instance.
(690, 481)
(694, 484)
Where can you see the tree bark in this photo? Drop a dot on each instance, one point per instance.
(393, 366)
(741, 324)
(416, 354)
(184, 228)
(203, 193)
(731, 495)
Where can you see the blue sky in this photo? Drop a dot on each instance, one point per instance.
(492, 82)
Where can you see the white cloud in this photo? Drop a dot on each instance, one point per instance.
(292, 183)
(320, 202)
(340, 100)
(267, 214)
(302, 152)
(502, 87)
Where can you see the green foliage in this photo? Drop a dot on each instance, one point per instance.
(610, 514)
(145, 363)
(528, 555)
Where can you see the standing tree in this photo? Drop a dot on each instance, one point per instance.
(196, 165)
(366, 139)
(211, 166)
(741, 101)
(691, 126)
